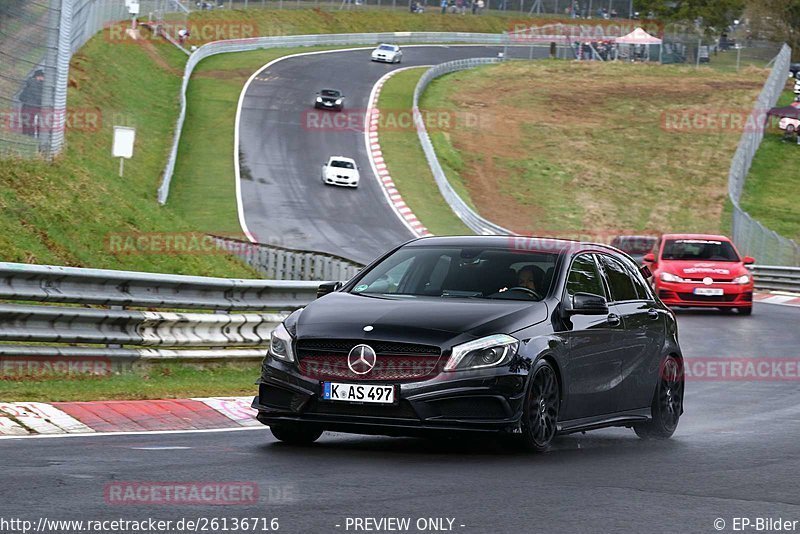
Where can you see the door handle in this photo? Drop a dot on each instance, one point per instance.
(653, 314)
(613, 319)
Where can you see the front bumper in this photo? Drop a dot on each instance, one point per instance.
(345, 182)
(489, 401)
(682, 294)
(332, 106)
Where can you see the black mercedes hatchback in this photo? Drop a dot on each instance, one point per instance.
(526, 338)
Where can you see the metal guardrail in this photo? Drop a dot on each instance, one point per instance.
(170, 325)
(470, 217)
(343, 39)
(85, 315)
(279, 263)
(776, 277)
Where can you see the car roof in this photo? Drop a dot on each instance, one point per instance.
(516, 243)
(712, 237)
(388, 44)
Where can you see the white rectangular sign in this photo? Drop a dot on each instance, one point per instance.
(124, 138)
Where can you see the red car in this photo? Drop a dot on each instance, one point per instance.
(701, 270)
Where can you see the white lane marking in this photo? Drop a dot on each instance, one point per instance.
(137, 433)
(235, 408)
(43, 418)
(236, 167)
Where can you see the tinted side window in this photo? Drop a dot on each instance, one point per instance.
(638, 280)
(584, 276)
(619, 280)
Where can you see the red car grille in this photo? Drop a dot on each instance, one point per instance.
(327, 360)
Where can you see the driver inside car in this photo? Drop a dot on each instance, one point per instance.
(526, 278)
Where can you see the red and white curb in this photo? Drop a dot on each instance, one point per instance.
(379, 168)
(785, 299)
(208, 413)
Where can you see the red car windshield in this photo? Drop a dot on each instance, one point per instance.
(699, 250)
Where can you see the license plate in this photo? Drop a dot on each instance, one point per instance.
(708, 291)
(336, 391)
(328, 103)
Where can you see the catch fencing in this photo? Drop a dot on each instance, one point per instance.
(128, 316)
(603, 9)
(40, 36)
(752, 237)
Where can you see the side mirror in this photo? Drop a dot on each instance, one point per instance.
(646, 272)
(749, 260)
(327, 287)
(585, 304)
(649, 258)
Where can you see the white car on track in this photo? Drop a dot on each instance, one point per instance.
(340, 171)
(387, 53)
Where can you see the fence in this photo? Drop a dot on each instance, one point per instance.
(278, 263)
(41, 36)
(104, 325)
(752, 237)
(607, 9)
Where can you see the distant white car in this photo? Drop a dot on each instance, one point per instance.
(340, 171)
(789, 124)
(387, 53)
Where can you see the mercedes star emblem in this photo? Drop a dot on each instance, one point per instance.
(361, 359)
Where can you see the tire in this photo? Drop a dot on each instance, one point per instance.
(295, 433)
(790, 128)
(745, 311)
(667, 405)
(542, 403)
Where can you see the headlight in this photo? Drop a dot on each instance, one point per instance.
(489, 351)
(280, 344)
(669, 277)
(744, 279)
(319, 99)
(338, 101)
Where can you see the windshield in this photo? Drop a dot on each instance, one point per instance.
(699, 250)
(386, 47)
(330, 92)
(342, 164)
(461, 272)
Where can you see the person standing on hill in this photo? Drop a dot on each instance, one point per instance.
(31, 98)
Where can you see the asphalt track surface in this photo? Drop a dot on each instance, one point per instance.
(735, 454)
(281, 152)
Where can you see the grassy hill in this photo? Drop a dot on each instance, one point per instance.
(592, 149)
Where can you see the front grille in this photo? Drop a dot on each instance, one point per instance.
(403, 410)
(327, 360)
(706, 298)
(716, 279)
